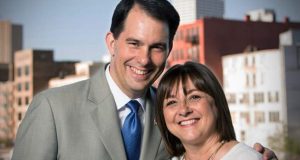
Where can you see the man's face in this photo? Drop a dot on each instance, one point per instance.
(139, 54)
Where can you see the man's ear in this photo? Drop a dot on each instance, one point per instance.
(110, 42)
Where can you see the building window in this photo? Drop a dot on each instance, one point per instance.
(243, 135)
(273, 97)
(247, 80)
(259, 97)
(26, 100)
(19, 72)
(19, 87)
(259, 117)
(254, 79)
(26, 86)
(245, 98)
(245, 116)
(231, 98)
(270, 97)
(19, 101)
(27, 70)
(20, 116)
(276, 96)
(195, 54)
(246, 61)
(274, 116)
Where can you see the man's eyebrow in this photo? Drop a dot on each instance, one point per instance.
(160, 43)
(133, 39)
(164, 44)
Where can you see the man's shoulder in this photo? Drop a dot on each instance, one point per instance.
(70, 88)
(61, 98)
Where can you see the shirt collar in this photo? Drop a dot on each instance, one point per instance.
(120, 97)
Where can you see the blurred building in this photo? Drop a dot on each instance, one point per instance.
(11, 40)
(6, 110)
(290, 48)
(263, 15)
(252, 83)
(83, 71)
(4, 72)
(191, 10)
(208, 39)
(33, 70)
(262, 89)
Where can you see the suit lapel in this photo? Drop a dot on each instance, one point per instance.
(151, 137)
(104, 115)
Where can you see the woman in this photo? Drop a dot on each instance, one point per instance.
(193, 116)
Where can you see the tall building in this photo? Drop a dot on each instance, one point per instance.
(291, 55)
(10, 41)
(191, 10)
(208, 39)
(33, 70)
(262, 89)
(252, 84)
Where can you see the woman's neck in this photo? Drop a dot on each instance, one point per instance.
(202, 150)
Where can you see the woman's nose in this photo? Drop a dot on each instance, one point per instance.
(185, 110)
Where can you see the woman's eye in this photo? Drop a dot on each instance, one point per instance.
(169, 103)
(195, 97)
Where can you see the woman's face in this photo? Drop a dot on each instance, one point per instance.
(191, 117)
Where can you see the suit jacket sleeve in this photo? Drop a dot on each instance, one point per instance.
(36, 137)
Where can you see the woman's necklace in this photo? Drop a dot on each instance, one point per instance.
(212, 156)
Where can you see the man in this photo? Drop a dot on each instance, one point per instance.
(86, 120)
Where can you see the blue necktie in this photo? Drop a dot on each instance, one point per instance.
(131, 131)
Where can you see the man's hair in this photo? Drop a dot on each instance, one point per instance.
(204, 80)
(159, 9)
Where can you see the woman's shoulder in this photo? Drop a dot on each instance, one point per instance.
(242, 151)
(177, 158)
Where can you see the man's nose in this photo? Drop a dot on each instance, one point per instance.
(144, 56)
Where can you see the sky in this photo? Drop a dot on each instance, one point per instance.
(76, 29)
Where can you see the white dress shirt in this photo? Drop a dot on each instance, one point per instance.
(122, 99)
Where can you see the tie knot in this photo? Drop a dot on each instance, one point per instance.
(133, 105)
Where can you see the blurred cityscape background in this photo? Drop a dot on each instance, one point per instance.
(252, 46)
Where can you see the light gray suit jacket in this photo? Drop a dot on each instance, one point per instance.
(80, 122)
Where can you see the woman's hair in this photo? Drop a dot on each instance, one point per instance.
(204, 80)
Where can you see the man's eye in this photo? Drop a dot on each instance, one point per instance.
(159, 48)
(134, 44)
